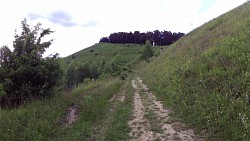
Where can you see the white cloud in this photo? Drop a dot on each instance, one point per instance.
(81, 23)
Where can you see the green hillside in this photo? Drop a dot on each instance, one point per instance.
(202, 80)
(107, 51)
(205, 76)
(102, 60)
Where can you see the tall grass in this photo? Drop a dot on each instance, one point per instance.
(204, 77)
(97, 118)
(38, 120)
(118, 127)
(45, 120)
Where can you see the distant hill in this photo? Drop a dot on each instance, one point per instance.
(101, 60)
(107, 51)
(205, 76)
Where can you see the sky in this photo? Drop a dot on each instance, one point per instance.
(81, 23)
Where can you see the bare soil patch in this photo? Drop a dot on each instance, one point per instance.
(71, 116)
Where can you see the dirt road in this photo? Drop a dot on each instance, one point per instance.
(152, 122)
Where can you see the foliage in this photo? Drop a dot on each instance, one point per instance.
(78, 73)
(71, 77)
(25, 74)
(2, 92)
(84, 71)
(44, 120)
(112, 59)
(95, 70)
(116, 64)
(98, 118)
(38, 120)
(147, 52)
(106, 52)
(157, 37)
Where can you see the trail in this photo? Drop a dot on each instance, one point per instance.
(71, 116)
(152, 122)
(101, 128)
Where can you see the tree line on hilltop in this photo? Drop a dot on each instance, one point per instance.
(156, 38)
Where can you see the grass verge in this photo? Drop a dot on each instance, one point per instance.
(97, 117)
(38, 120)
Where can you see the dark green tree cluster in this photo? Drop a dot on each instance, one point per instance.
(24, 72)
(158, 38)
(147, 52)
(78, 73)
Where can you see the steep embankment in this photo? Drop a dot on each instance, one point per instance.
(205, 76)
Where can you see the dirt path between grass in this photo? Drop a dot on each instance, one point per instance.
(152, 122)
(71, 116)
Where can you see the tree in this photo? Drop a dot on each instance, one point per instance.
(116, 64)
(25, 74)
(84, 72)
(157, 37)
(102, 64)
(147, 52)
(95, 70)
(71, 77)
(104, 39)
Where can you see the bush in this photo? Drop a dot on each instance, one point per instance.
(25, 74)
(147, 52)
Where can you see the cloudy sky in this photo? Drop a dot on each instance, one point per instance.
(81, 23)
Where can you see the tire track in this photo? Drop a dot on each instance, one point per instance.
(152, 122)
(139, 124)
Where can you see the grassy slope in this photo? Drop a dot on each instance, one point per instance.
(205, 76)
(107, 51)
(44, 120)
(38, 120)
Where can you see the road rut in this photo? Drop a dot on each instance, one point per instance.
(151, 121)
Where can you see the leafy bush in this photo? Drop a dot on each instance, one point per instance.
(147, 52)
(25, 74)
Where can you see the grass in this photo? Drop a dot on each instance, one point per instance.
(38, 120)
(204, 77)
(107, 51)
(153, 119)
(118, 127)
(98, 118)
(93, 103)
(44, 120)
